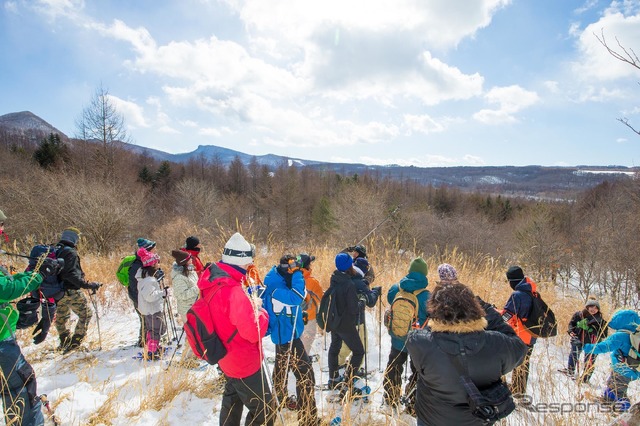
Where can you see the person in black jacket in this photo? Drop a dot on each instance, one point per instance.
(132, 289)
(462, 330)
(586, 326)
(346, 298)
(74, 299)
(367, 297)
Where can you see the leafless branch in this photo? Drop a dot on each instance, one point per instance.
(626, 55)
(625, 121)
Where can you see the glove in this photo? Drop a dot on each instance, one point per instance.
(42, 329)
(93, 286)
(377, 290)
(583, 324)
(159, 275)
(166, 292)
(486, 306)
(256, 290)
(305, 261)
(305, 317)
(48, 267)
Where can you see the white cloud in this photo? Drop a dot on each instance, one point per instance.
(621, 21)
(510, 100)
(132, 112)
(622, 140)
(473, 160)
(425, 124)
(11, 6)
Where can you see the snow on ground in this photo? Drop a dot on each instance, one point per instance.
(109, 387)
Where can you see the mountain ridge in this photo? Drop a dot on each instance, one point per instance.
(531, 180)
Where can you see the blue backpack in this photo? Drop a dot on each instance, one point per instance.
(52, 286)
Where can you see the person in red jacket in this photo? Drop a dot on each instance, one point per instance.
(241, 323)
(192, 246)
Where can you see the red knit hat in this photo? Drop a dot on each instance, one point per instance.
(148, 258)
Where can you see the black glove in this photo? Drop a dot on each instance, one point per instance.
(159, 275)
(305, 317)
(93, 286)
(378, 290)
(486, 306)
(166, 292)
(48, 267)
(42, 329)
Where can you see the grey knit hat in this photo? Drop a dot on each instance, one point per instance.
(592, 302)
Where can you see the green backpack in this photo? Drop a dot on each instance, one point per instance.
(123, 269)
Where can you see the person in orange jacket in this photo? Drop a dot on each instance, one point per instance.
(515, 312)
(311, 302)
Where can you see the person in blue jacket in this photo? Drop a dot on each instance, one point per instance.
(624, 369)
(415, 282)
(283, 298)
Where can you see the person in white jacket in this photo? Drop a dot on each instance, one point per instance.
(184, 280)
(150, 302)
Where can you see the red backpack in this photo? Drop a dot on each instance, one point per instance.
(201, 333)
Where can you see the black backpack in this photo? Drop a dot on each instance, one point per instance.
(541, 321)
(52, 286)
(328, 317)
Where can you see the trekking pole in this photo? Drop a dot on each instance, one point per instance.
(366, 350)
(95, 308)
(168, 311)
(380, 333)
(176, 350)
(380, 224)
(274, 394)
(18, 255)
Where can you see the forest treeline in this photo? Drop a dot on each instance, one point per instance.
(114, 196)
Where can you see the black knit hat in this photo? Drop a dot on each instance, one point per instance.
(454, 303)
(192, 242)
(515, 273)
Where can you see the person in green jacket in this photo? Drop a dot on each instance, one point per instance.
(18, 381)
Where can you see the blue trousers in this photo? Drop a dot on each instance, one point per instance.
(19, 389)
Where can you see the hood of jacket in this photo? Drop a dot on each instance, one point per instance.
(523, 285)
(219, 270)
(626, 319)
(459, 327)
(414, 281)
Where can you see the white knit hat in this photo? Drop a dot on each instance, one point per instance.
(238, 251)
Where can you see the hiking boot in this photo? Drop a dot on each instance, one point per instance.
(74, 343)
(334, 383)
(65, 340)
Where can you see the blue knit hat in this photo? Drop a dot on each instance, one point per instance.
(344, 262)
(145, 243)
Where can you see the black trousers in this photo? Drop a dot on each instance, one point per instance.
(300, 363)
(351, 338)
(252, 392)
(392, 382)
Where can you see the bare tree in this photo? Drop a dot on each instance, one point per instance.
(626, 55)
(101, 122)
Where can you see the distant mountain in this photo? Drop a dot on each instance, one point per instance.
(537, 181)
(26, 123)
(223, 155)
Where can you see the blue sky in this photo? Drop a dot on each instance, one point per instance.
(411, 82)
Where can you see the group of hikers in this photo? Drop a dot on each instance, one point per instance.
(460, 347)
